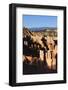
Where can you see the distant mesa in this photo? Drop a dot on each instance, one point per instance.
(43, 31)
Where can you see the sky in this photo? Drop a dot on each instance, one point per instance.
(37, 21)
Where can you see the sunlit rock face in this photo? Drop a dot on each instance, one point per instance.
(28, 58)
(37, 39)
(41, 55)
(51, 62)
(50, 55)
(36, 36)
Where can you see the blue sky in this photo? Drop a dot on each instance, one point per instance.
(36, 21)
